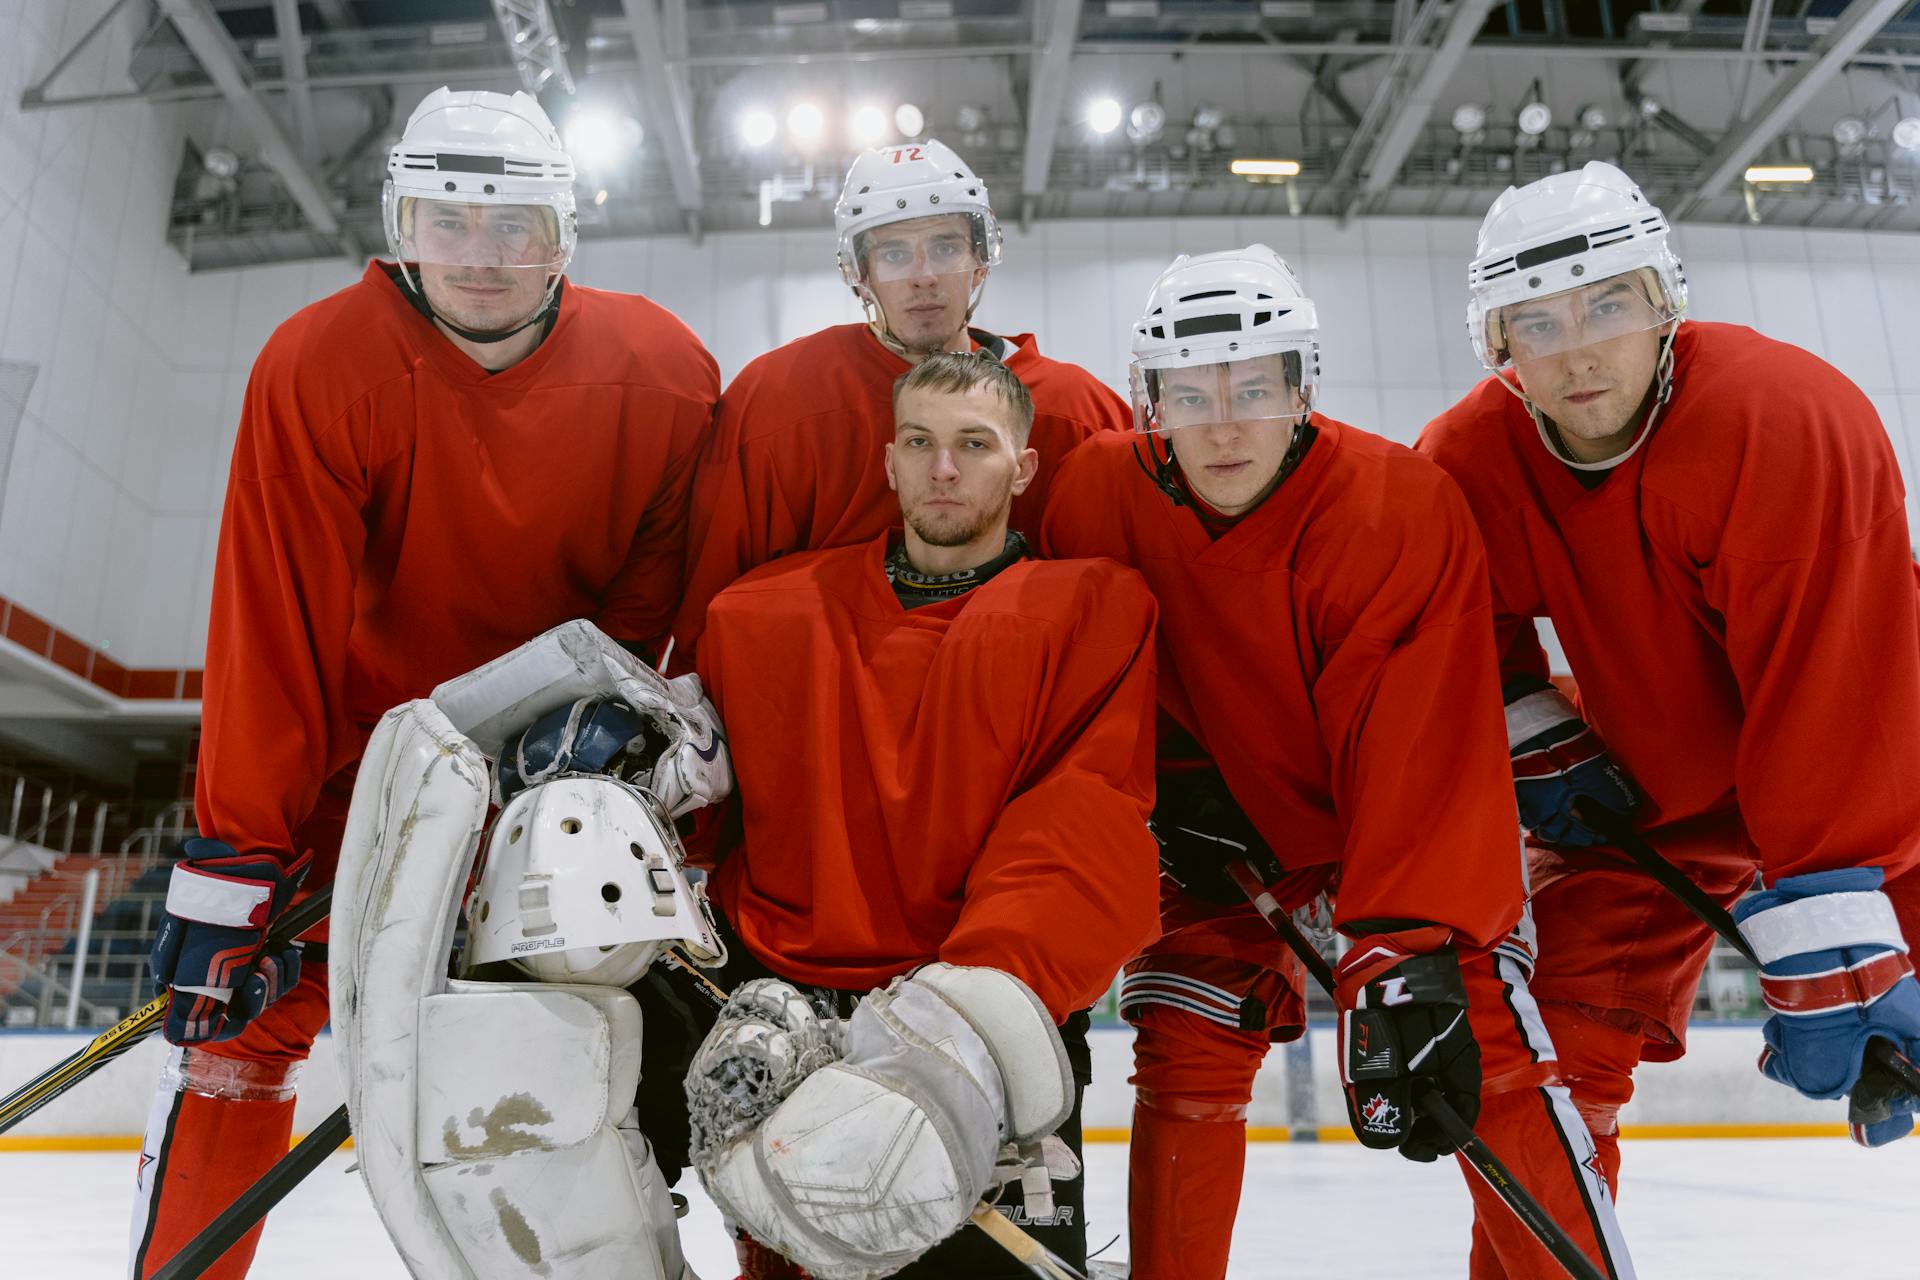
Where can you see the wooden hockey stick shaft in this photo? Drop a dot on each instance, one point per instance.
(1620, 833)
(140, 1024)
(1476, 1153)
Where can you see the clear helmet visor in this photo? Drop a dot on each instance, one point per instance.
(920, 249)
(1588, 316)
(454, 233)
(1265, 388)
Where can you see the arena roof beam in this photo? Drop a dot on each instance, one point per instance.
(1046, 99)
(204, 33)
(667, 103)
(1859, 24)
(293, 58)
(1410, 116)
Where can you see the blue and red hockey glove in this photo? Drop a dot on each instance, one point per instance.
(206, 958)
(1558, 761)
(1404, 1030)
(1835, 972)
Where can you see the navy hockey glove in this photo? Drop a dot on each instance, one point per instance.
(589, 735)
(1557, 762)
(1404, 1030)
(1201, 828)
(206, 957)
(1835, 972)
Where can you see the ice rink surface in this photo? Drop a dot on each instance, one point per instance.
(1693, 1210)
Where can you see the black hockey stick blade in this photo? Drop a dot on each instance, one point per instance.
(1503, 1184)
(138, 1025)
(1621, 834)
(257, 1200)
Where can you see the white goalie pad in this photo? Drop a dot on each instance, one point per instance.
(577, 660)
(487, 1116)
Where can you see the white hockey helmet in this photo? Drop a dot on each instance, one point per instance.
(1565, 233)
(1208, 312)
(583, 882)
(906, 181)
(475, 148)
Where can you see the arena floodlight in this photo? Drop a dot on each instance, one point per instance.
(806, 122)
(1469, 118)
(1593, 119)
(868, 126)
(1849, 132)
(599, 139)
(1209, 117)
(1103, 115)
(1145, 122)
(1779, 173)
(757, 128)
(909, 120)
(971, 117)
(221, 162)
(1534, 119)
(1265, 168)
(1906, 133)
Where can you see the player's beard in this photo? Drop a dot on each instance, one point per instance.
(958, 528)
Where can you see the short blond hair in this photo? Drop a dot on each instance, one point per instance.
(959, 372)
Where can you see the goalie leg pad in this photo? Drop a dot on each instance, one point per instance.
(486, 1155)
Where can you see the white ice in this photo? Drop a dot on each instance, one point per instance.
(1693, 1210)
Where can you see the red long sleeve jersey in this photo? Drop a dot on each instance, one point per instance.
(1333, 653)
(1738, 599)
(396, 516)
(966, 781)
(796, 458)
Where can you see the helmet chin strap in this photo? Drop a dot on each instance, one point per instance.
(1661, 392)
(1164, 469)
(877, 321)
(484, 337)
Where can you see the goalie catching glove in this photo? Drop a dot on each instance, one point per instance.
(1403, 1031)
(206, 957)
(852, 1148)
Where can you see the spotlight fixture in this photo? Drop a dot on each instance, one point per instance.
(1265, 170)
(1779, 173)
(1469, 118)
(1849, 132)
(971, 117)
(868, 126)
(909, 120)
(1593, 119)
(1145, 122)
(1906, 133)
(805, 122)
(1207, 116)
(757, 128)
(1649, 106)
(1103, 115)
(599, 139)
(1535, 115)
(221, 162)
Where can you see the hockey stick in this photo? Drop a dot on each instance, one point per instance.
(140, 1024)
(1503, 1184)
(1035, 1256)
(1620, 833)
(238, 1218)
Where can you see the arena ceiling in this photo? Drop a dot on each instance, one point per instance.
(699, 115)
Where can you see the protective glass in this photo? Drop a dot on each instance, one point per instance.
(453, 233)
(906, 251)
(1539, 328)
(1258, 389)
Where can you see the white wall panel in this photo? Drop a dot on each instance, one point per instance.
(163, 623)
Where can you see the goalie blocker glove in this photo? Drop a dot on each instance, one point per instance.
(206, 958)
(1557, 762)
(1404, 1030)
(1835, 972)
(1201, 829)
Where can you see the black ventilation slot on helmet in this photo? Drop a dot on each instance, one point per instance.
(1261, 317)
(1158, 332)
(1206, 324)
(1550, 252)
(1612, 235)
(1211, 293)
(450, 163)
(1494, 270)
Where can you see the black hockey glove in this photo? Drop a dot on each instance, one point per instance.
(1201, 829)
(1403, 1031)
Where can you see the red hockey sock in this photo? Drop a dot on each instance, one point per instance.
(213, 1150)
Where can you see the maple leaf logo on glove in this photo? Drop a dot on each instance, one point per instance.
(1380, 1115)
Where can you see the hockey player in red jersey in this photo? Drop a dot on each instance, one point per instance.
(1324, 646)
(795, 460)
(1713, 521)
(944, 753)
(433, 465)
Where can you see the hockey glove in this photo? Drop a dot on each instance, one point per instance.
(206, 958)
(1201, 828)
(1557, 762)
(1835, 972)
(853, 1148)
(674, 747)
(1403, 1031)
